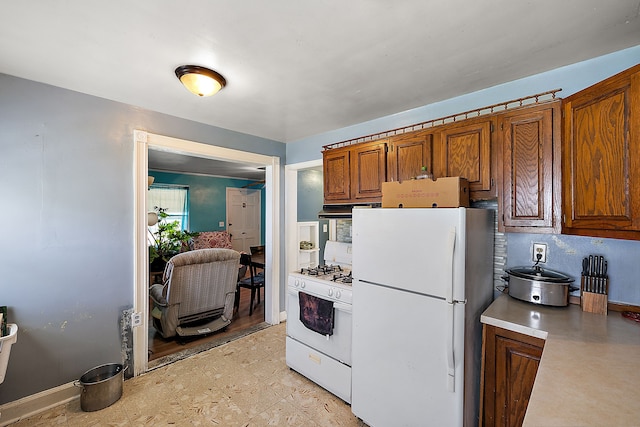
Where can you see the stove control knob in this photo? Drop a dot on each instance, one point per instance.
(338, 294)
(330, 292)
(302, 284)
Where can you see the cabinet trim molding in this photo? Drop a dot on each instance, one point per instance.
(483, 111)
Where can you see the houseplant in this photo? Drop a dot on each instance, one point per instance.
(167, 241)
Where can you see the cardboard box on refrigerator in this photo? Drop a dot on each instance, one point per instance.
(451, 192)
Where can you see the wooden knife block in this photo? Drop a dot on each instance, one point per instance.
(595, 302)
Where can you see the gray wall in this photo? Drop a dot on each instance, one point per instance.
(66, 182)
(310, 194)
(570, 79)
(565, 253)
(310, 199)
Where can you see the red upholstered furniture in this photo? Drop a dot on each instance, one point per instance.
(212, 239)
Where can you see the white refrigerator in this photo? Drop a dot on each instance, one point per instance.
(421, 279)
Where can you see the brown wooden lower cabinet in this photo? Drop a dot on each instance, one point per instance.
(509, 362)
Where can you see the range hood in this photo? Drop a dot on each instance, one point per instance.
(342, 211)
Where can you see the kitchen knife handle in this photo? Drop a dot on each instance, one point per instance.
(601, 264)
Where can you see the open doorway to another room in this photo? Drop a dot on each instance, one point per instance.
(180, 163)
(304, 186)
(190, 196)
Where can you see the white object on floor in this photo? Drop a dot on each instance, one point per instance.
(5, 348)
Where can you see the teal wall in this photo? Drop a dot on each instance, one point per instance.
(207, 198)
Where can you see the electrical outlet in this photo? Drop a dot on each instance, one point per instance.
(539, 252)
(221, 224)
(136, 319)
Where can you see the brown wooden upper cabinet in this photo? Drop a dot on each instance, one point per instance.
(408, 153)
(464, 149)
(369, 170)
(336, 165)
(601, 158)
(354, 174)
(529, 169)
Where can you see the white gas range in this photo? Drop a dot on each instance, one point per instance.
(319, 321)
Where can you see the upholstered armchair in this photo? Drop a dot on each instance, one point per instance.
(197, 292)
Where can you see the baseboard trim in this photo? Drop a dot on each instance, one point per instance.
(34, 404)
(283, 316)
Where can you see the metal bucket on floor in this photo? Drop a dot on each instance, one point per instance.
(101, 386)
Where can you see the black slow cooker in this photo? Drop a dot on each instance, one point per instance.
(538, 285)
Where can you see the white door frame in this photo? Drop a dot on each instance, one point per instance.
(142, 142)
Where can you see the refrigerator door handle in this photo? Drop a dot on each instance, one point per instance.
(451, 363)
(451, 247)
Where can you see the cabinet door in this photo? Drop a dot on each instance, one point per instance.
(530, 169)
(337, 175)
(408, 154)
(601, 163)
(510, 365)
(465, 150)
(369, 168)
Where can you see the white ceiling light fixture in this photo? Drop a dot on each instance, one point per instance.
(200, 80)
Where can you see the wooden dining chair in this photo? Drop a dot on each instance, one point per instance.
(256, 249)
(254, 282)
(258, 252)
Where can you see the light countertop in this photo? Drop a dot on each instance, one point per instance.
(589, 374)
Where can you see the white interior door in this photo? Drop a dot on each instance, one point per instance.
(243, 217)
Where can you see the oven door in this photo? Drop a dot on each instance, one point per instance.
(338, 345)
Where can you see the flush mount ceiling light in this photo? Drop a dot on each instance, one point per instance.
(200, 80)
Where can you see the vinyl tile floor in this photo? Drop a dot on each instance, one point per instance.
(242, 383)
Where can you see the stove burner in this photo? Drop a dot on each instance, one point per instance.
(342, 278)
(320, 270)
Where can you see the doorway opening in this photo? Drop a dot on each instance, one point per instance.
(291, 209)
(271, 164)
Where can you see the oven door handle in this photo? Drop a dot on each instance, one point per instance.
(341, 306)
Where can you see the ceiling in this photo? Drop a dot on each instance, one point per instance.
(297, 68)
(172, 162)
